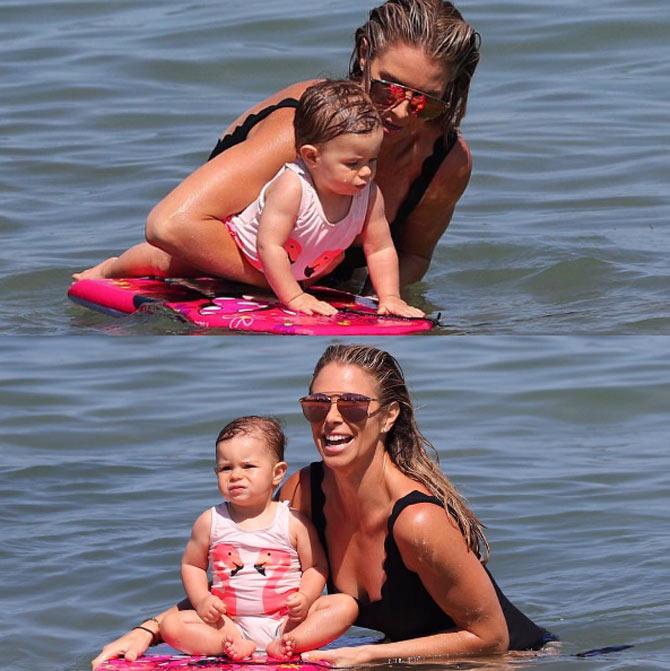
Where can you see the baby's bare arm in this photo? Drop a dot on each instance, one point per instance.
(195, 560)
(312, 557)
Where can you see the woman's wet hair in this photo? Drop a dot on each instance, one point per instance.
(407, 447)
(433, 25)
(332, 108)
(269, 428)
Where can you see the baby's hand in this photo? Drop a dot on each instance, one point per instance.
(297, 605)
(394, 305)
(211, 609)
(310, 305)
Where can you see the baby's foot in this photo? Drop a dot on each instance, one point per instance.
(99, 272)
(238, 648)
(282, 648)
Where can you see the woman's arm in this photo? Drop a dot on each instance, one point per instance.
(431, 217)
(134, 643)
(431, 545)
(187, 222)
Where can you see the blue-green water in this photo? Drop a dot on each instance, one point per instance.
(106, 106)
(559, 443)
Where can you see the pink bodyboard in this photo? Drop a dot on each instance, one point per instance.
(196, 662)
(216, 304)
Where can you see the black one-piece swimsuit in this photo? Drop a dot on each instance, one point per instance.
(406, 609)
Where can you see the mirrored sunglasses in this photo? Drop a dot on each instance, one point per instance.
(352, 407)
(386, 94)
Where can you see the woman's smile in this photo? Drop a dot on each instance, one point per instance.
(335, 442)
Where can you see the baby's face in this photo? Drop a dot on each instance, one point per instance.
(247, 471)
(347, 163)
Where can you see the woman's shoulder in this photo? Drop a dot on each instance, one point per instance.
(297, 491)
(433, 212)
(419, 515)
(293, 91)
(424, 533)
(453, 175)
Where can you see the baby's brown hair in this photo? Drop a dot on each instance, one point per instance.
(268, 427)
(332, 108)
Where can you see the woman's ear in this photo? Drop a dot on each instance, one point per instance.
(309, 153)
(392, 412)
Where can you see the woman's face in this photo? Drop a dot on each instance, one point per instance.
(341, 442)
(412, 67)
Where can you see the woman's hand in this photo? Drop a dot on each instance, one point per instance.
(340, 657)
(130, 646)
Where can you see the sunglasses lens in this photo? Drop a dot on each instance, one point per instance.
(352, 407)
(429, 109)
(315, 409)
(353, 410)
(381, 95)
(388, 94)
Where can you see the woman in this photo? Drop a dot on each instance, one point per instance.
(416, 58)
(398, 536)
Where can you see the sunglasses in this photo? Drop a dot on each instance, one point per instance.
(352, 407)
(389, 94)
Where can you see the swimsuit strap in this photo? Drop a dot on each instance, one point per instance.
(409, 500)
(241, 132)
(420, 185)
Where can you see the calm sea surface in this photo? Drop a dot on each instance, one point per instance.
(106, 106)
(560, 444)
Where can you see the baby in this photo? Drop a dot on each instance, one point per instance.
(268, 567)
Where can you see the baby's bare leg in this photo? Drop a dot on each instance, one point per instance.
(329, 617)
(185, 631)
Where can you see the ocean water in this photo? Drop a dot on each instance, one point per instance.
(105, 107)
(559, 439)
(559, 443)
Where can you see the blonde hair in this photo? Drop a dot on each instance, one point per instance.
(437, 27)
(407, 447)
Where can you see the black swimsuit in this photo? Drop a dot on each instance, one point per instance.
(241, 132)
(353, 256)
(406, 609)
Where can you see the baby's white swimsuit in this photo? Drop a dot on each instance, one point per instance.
(315, 245)
(253, 572)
